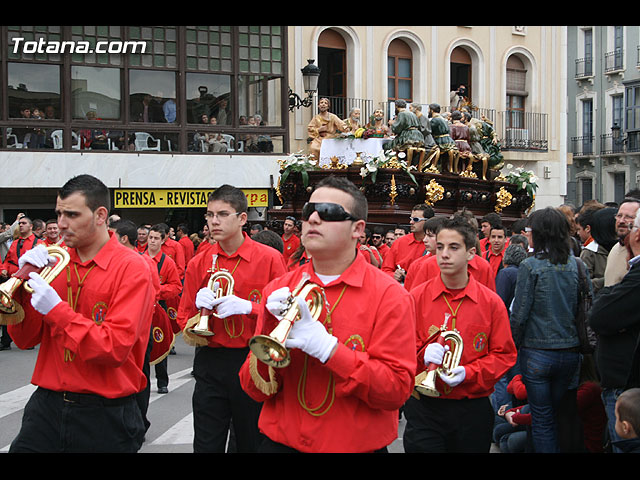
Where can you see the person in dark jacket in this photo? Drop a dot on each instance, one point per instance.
(614, 319)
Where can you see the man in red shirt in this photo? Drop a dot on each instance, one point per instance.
(495, 250)
(377, 239)
(174, 250)
(170, 289)
(407, 248)
(353, 367)
(290, 239)
(218, 398)
(461, 418)
(182, 232)
(491, 218)
(92, 324)
(26, 241)
(52, 233)
(141, 241)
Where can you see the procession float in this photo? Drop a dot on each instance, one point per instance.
(445, 173)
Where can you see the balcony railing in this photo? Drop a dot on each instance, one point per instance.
(584, 67)
(613, 61)
(341, 106)
(610, 144)
(583, 146)
(523, 130)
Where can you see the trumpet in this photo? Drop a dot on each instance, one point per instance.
(270, 349)
(425, 382)
(48, 273)
(225, 288)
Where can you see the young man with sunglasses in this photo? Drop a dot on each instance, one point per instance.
(353, 366)
(409, 247)
(218, 398)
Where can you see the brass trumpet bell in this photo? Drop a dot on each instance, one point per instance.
(225, 282)
(270, 349)
(48, 273)
(426, 381)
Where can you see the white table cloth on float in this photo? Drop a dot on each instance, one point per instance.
(347, 148)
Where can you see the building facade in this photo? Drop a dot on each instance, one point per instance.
(133, 104)
(603, 122)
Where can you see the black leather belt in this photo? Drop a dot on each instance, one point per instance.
(89, 399)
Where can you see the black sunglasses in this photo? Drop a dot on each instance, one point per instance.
(329, 212)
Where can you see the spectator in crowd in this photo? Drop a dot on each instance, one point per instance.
(601, 226)
(617, 260)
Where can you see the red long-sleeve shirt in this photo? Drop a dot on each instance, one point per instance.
(483, 323)
(252, 266)
(404, 251)
(94, 340)
(373, 367)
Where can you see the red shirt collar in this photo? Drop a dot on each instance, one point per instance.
(437, 288)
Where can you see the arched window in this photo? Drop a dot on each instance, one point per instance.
(400, 71)
(516, 92)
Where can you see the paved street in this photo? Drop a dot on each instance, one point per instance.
(171, 428)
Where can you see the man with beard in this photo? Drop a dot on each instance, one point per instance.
(324, 125)
(618, 257)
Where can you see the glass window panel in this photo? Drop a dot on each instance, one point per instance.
(95, 93)
(208, 96)
(35, 86)
(404, 67)
(260, 96)
(152, 96)
(404, 89)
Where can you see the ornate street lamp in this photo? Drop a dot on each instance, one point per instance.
(310, 75)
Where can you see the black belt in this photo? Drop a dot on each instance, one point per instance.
(89, 399)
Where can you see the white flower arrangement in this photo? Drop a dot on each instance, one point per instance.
(389, 159)
(297, 162)
(524, 179)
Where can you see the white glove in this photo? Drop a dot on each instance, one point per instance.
(38, 256)
(310, 336)
(44, 298)
(205, 298)
(277, 302)
(455, 377)
(434, 353)
(231, 305)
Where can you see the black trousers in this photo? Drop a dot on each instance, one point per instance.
(76, 423)
(162, 374)
(218, 399)
(142, 397)
(436, 425)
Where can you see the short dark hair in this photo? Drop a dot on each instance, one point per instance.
(161, 228)
(126, 227)
(231, 195)
(491, 218)
(50, 221)
(360, 206)
(270, 238)
(95, 192)
(461, 226)
(427, 211)
(184, 228)
(498, 226)
(432, 224)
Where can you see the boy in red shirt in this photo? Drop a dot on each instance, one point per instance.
(461, 418)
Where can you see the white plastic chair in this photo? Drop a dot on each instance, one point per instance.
(13, 136)
(231, 142)
(56, 137)
(141, 142)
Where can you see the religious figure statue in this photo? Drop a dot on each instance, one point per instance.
(353, 122)
(377, 125)
(442, 137)
(324, 125)
(460, 135)
(406, 129)
(475, 135)
(490, 144)
(430, 147)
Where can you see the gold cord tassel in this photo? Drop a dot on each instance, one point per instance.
(267, 387)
